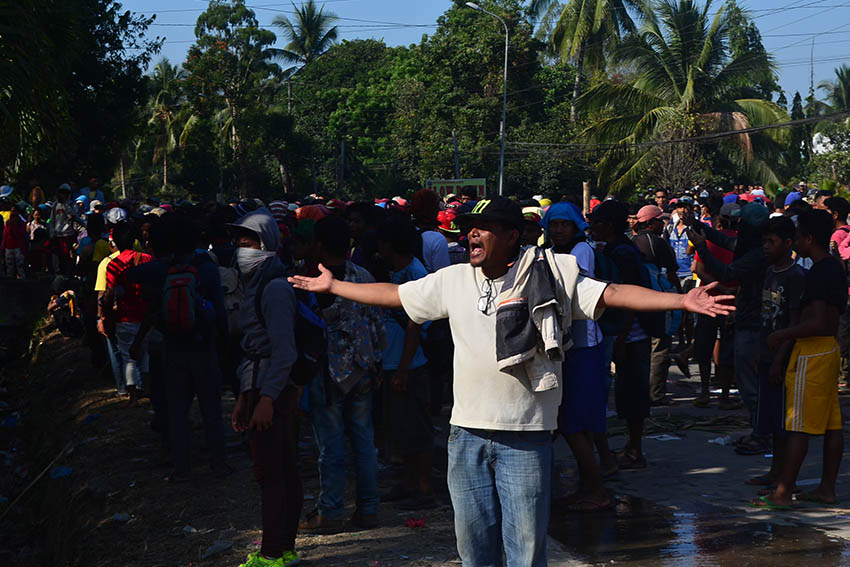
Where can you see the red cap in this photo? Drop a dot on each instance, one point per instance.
(447, 222)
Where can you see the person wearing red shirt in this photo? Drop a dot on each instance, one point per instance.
(125, 307)
(706, 331)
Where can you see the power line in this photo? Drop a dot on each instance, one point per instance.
(695, 139)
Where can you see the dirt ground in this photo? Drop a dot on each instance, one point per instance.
(119, 509)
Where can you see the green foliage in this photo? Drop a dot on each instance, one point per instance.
(684, 74)
(70, 83)
(838, 91)
(310, 35)
(360, 119)
(229, 68)
(745, 39)
(833, 165)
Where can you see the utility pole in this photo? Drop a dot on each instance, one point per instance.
(504, 124)
(457, 157)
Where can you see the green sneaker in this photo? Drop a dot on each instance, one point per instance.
(290, 559)
(257, 560)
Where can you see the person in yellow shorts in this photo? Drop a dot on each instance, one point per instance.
(811, 379)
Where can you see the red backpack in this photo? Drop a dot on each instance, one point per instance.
(180, 300)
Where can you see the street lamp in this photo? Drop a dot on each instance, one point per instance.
(478, 8)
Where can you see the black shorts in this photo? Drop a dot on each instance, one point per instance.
(706, 334)
(631, 386)
(410, 425)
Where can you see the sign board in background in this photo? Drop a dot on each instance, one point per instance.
(444, 187)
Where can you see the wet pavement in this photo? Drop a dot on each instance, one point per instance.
(639, 533)
(690, 506)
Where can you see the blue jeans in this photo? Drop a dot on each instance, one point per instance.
(332, 417)
(747, 343)
(116, 365)
(500, 485)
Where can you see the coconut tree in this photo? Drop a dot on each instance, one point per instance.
(686, 85)
(838, 91)
(310, 34)
(169, 114)
(586, 31)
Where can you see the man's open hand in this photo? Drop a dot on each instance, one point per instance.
(702, 300)
(320, 284)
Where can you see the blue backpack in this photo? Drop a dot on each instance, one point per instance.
(660, 324)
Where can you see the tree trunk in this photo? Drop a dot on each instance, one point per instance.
(585, 197)
(164, 169)
(285, 175)
(577, 83)
(123, 185)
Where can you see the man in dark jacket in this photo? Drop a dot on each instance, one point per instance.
(269, 344)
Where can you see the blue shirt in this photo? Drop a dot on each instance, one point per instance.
(395, 318)
(679, 243)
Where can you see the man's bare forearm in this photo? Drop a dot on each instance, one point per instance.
(636, 298)
(377, 294)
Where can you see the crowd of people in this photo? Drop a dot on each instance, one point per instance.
(371, 317)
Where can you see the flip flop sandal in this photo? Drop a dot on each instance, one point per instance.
(743, 440)
(772, 488)
(586, 505)
(609, 473)
(812, 499)
(763, 503)
(752, 448)
(628, 462)
(761, 480)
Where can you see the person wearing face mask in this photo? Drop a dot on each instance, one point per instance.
(269, 346)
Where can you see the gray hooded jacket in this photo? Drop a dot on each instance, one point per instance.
(272, 346)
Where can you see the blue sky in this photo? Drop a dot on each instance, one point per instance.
(786, 26)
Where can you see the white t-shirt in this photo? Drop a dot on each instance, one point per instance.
(484, 397)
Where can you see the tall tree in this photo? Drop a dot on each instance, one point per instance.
(745, 39)
(310, 34)
(586, 31)
(68, 69)
(169, 113)
(838, 91)
(229, 63)
(684, 77)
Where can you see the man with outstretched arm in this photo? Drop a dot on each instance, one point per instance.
(500, 439)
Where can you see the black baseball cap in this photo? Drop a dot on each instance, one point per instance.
(495, 209)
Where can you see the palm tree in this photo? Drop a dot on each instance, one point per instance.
(167, 111)
(838, 91)
(686, 84)
(310, 35)
(586, 31)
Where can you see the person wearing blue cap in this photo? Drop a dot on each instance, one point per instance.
(582, 415)
(792, 198)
